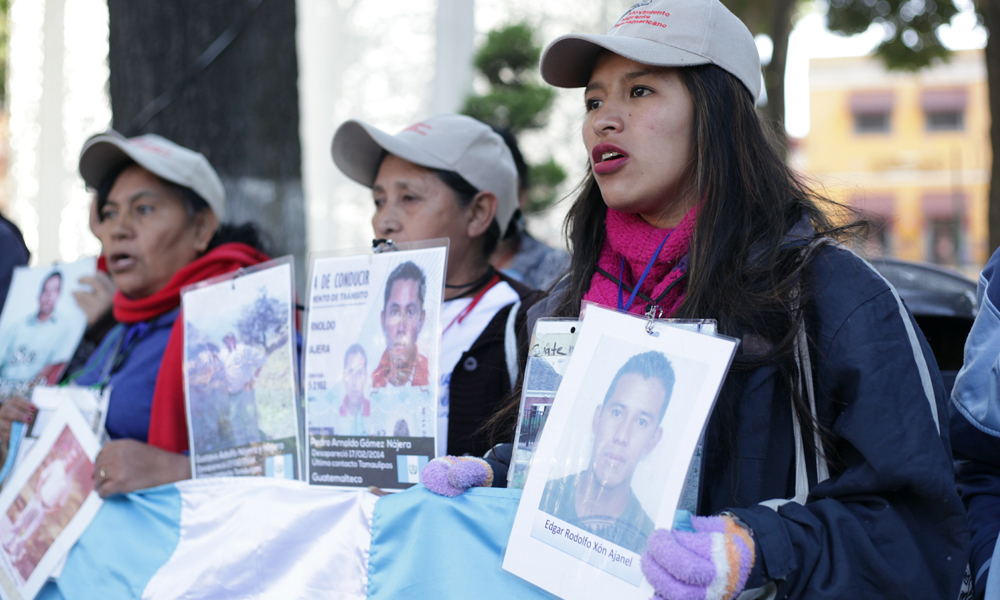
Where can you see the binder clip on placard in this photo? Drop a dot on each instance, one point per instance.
(383, 245)
(239, 273)
(653, 313)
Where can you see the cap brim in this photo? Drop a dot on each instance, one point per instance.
(568, 61)
(358, 147)
(100, 154)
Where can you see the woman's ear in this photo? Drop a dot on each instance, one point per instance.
(482, 210)
(205, 226)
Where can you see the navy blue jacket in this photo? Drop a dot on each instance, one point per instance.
(129, 360)
(13, 253)
(975, 424)
(888, 522)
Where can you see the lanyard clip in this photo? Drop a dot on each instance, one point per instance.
(383, 245)
(653, 312)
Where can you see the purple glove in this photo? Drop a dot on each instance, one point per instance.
(711, 563)
(452, 475)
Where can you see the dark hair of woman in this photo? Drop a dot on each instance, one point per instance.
(740, 272)
(246, 233)
(464, 193)
(517, 224)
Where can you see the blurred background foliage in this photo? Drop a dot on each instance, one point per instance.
(910, 40)
(516, 99)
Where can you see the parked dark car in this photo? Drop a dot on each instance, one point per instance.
(943, 302)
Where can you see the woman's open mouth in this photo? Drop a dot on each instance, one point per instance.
(608, 158)
(120, 261)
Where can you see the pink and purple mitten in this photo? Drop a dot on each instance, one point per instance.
(711, 563)
(452, 475)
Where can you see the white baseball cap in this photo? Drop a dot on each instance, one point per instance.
(662, 33)
(446, 142)
(161, 157)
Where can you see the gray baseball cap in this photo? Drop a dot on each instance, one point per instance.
(161, 157)
(661, 33)
(446, 142)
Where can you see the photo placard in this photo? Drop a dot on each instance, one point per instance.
(240, 374)
(549, 351)
(47, 504)
(41, 324)
(371, 366)
(92, 402)
(612, 460)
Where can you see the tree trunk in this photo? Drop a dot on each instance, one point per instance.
(774, 72)
(991, 17)
(241, 111)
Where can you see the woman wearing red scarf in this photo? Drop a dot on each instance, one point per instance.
(159, 206)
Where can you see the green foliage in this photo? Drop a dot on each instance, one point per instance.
(911, 42)
(545, 179)
(264, 323)
(509, 55)
(517, 108)
(516, 100)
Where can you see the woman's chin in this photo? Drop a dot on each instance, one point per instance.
(626, 204)
(133, 289)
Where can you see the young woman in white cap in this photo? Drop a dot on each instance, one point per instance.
(159, 206)
(452, 177)
(826, 470)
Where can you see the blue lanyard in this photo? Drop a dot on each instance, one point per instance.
(621, 275)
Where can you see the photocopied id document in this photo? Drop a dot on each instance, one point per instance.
(373, 338)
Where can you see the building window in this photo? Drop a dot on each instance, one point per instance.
(943, 241)
(944, 109)
(944, 214)
(946, 121)
(952, 120)
(877, 209)
(873, 123)
(872, 112)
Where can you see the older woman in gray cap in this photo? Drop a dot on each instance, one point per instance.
(159, 206)
(451, 177)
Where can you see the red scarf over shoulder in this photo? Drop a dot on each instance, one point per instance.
(168, 421)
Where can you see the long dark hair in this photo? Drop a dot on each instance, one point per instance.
(740, 272)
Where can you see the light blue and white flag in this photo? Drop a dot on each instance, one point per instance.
(223, 538)
(266, 539)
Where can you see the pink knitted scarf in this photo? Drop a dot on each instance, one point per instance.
(629, 236)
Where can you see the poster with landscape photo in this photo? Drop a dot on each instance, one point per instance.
(240, 374)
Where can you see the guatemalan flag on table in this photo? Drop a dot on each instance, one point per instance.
(267, 538)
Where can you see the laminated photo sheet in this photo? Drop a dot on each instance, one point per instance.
(549, 352)
(47, 504)
(551, 346)
(240, 373)
(41, 324)
(611, 463)
(92, 403)
(371, 381)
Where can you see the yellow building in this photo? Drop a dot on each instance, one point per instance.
(912, 150)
